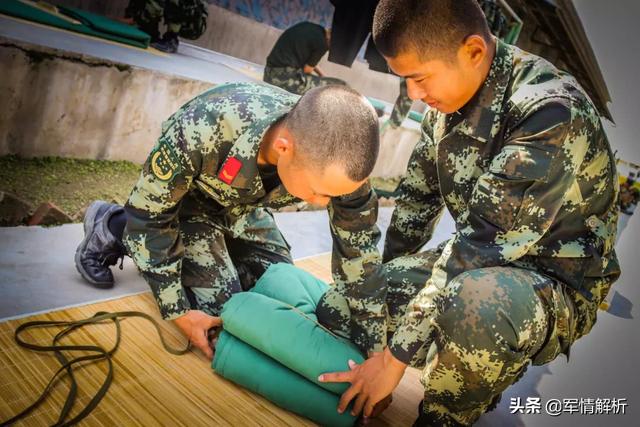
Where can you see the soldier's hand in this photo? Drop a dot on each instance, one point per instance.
(371, 382)
(195, 325)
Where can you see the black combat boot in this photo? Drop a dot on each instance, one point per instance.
(150, 28)
(100, 248)
(168, 43)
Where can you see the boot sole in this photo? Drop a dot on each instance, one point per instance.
(89, 223)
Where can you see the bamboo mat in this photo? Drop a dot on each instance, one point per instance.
(152, 387)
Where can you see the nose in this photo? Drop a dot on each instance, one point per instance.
(414, 90)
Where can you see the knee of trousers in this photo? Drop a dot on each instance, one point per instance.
(492, 316)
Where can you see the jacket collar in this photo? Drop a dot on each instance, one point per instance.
(482, 115)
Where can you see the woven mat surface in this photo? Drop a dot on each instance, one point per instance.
(151, 387)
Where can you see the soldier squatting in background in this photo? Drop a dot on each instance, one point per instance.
(295, 56)
(515, 150)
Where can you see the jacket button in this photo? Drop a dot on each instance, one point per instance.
(592, 222)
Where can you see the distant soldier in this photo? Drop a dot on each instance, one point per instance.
(184, 18)
(295, 56)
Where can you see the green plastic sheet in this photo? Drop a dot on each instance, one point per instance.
(273, 345)
(92, 24)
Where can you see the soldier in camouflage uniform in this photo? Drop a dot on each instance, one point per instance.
(295, 56)
(184, 18)
(515, 150)
(197, 223)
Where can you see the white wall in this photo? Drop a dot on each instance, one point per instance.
(612, 27)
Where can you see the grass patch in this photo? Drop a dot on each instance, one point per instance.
(71, 184)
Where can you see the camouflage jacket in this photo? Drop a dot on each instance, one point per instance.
(210, 146)
(527, 173)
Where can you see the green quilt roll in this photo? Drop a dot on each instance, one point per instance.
(244, 365)
(272, 344)
(289, 284)
(289, 336)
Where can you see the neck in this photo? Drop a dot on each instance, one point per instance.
(488, 62)
(266, 154)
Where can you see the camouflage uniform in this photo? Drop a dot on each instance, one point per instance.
(402, 106)
(197, 227)
(187, 18)
(527, 173)
(495, 17)
(296, 80)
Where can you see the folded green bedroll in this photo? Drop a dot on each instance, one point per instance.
(76, 20)
(273, 345)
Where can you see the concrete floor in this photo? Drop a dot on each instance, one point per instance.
(37, 271)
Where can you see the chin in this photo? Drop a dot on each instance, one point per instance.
(444, 109)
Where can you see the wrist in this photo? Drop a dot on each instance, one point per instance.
(177, 315)
(392, 363)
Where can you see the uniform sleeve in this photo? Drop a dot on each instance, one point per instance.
(512, 206)
(402, 106)
(355, 265)
(317, 48)
(152, 232)
(419, 204)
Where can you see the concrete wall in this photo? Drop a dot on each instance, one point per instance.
(64, 104)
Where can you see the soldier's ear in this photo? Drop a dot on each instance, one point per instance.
(283, 144)
(474, 50)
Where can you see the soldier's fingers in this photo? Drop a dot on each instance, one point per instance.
(368, 408)
(347, 397)
(200, 341)
(360, 401)
(214, 322)
(352, 365)
(336, 377)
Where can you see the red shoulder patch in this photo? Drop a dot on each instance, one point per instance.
(230, 170)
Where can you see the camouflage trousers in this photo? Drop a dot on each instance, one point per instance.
(492, 323)
(295, 80)
(187, 18)
(222, 256)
